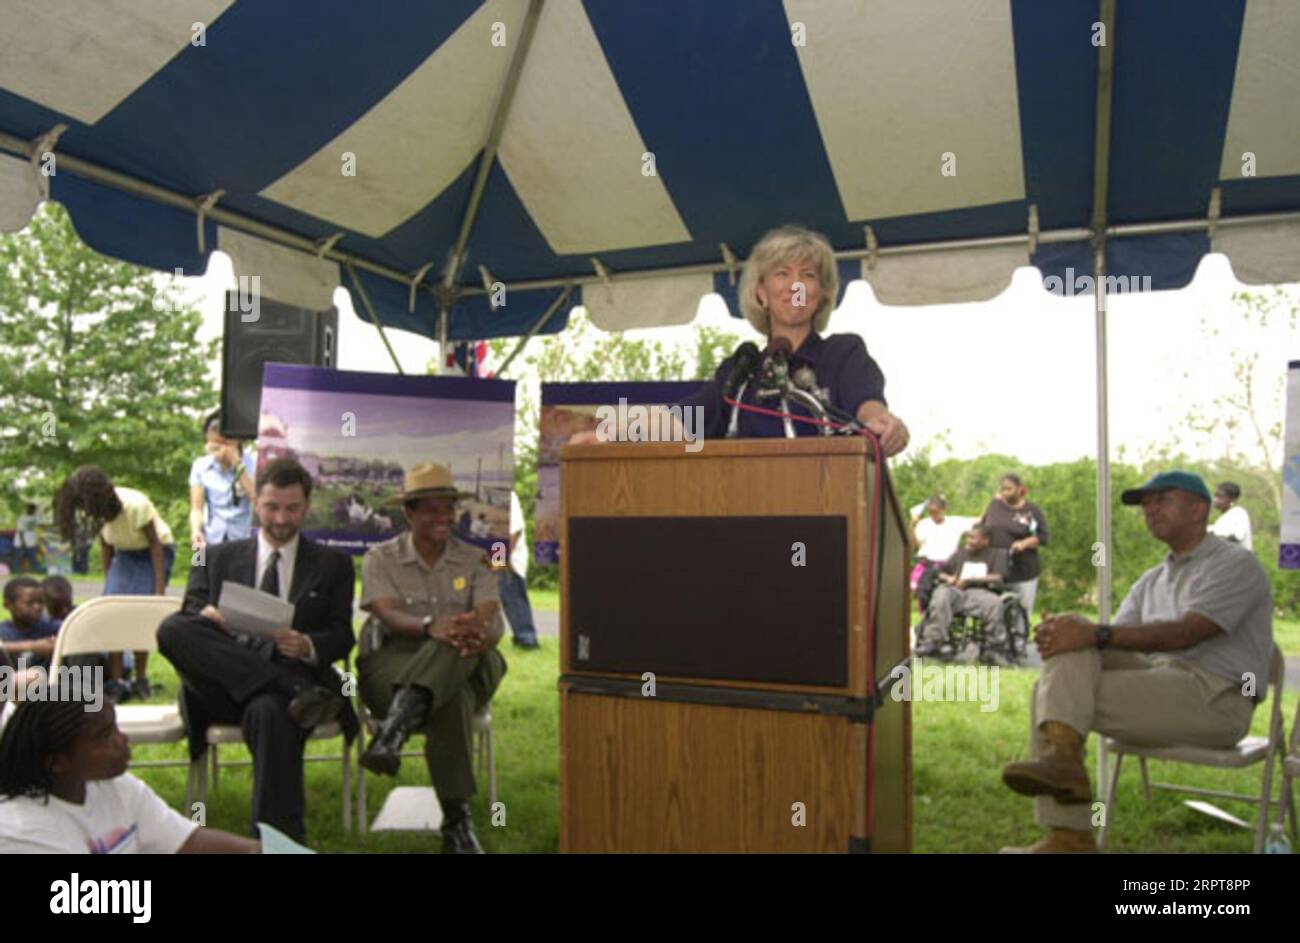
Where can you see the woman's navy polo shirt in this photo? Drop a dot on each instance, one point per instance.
(844, 371)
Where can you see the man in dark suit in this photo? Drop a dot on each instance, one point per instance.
(276, 687)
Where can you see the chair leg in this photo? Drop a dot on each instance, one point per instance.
(1265, 795)
(347, 787)
(216, 770)
(491, 769)
(1146, 780)
(1109, 801)
(361, 797)
(202, 764)
(1290, 804)
(191, 778)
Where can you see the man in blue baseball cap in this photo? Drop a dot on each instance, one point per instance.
(1185, 662)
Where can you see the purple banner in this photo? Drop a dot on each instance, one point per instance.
(571, 407)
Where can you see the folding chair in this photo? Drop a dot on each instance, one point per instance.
(217, 734)
(125, 623)
(1247, 752)
(484, 748)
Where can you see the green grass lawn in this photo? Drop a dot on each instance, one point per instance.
(960, 804)
(525, 716)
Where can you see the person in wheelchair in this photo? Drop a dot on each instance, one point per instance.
(971, 583)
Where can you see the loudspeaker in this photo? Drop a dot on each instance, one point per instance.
(273, 332)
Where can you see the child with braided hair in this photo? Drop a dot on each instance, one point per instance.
(64, 789)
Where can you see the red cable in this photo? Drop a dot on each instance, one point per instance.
(871, 587)
(764, 411)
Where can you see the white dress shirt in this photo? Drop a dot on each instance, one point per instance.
(288, 557)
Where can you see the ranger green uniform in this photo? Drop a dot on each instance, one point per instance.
(460, 580)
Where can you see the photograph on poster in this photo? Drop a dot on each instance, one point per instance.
(358, 434)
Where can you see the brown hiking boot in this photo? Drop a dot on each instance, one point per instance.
(1058, 773)
(1059, 841)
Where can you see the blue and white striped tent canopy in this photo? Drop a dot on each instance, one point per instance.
(635, 149)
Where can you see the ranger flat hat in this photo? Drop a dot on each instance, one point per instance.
(429, 480)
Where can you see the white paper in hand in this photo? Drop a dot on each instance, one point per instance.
(251, 610)
(973, 571)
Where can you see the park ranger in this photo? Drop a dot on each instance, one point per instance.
(429, 658)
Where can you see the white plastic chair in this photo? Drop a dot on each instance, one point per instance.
(1247, 752)
(125, 623)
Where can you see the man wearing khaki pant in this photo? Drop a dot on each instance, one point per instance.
(1185, 662)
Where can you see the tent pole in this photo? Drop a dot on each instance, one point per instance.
(87, 170)
(374, 318)
(1104, 588)
(493, 141)
(1100, 202)
(537, 326)
(442, 340)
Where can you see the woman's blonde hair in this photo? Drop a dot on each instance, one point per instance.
(781, 245)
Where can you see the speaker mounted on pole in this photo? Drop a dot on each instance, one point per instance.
(276, 333)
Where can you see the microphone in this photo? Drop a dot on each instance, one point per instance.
(775, 380)
(747, 360)
(806, 380)
(742, 370)
(776, 364)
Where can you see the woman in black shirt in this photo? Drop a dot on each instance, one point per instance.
(1017, 525)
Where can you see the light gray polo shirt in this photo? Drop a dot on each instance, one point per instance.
(1223, 582)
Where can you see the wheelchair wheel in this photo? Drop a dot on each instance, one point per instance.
(1017, 629)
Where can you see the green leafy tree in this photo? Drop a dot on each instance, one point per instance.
(1243, 425)
(99, 364)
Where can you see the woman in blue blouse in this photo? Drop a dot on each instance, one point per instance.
(221, 488)
(787, 290)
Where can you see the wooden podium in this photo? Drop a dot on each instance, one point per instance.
(727, 626)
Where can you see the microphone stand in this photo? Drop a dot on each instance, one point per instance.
(813, 405)
(733, 425)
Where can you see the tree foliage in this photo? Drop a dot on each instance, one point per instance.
(1243, 425)
(99, 364)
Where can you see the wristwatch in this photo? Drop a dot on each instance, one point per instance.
(1103, 636)
(426, 623)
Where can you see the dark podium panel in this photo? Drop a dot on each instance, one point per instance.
(717, 598)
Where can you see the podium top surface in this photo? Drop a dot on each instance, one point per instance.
(720, 448)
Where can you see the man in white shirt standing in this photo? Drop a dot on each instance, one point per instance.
(1233, 523)
(25, 540)
(513, 586)
(937, 535)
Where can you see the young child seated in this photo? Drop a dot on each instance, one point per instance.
(27, 636)
(58, 598)
(64, 789)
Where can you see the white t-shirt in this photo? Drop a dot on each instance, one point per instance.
(938, 542)
(1233, 524)
(120, 816)
(518, 556)
(25, 530)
